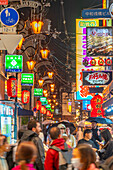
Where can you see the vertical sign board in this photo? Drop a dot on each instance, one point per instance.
(81, 54)
(27, 79)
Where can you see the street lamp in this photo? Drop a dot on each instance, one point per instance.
(40, 82)
(52, 89)
(30, 64)
(50, 74)
(52, 85)
(54, 96)
(37, 26)
(44, 53)
(20, 44)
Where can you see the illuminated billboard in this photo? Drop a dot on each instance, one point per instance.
(82, 92)
(99, 41)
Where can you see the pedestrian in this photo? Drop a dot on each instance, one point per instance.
(62, 128)
(4, 147)
(107, 150)
(87, 138)
(95, 134)
(71, 139)
(26, 155)
(79, 134)
(32, 134)
(59, 155)
(84, 158)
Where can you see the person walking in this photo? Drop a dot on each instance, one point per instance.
(26, 155)
(59, 154)
(32, 134)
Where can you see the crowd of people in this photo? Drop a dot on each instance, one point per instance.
(58, 149)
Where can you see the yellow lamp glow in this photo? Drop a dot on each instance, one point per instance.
(20, 44)
(46, 94)
(56, 103)
(52, 89)
(44, 53)
(52, 85)
(40, 82)
(52, 106)
(31, 64)
(54, 100)
(54, 96)
(50, 74)
(49, 100)
(45, 91)
(37, 26)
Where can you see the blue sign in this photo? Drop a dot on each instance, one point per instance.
(84, 104)
(9, 17)
(96, 13)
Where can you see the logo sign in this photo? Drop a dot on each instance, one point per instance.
(27, 79)
(38, 92)
(48, 107)
(13, 63)
(3, 2)
(97, 77)
(43, 100)
(96, 13)
(111, 10)
(9, 17)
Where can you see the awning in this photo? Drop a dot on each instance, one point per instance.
(107, 103)
(24, 112)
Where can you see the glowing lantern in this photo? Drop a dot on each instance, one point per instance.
(54, 96)
(43, 110)
(40, 82)
(49, 100)
(54, 100)
(44, 53)
(31, 64)
(52, 106)
(101, 62)
(37, 26)
(56, 103)
(52, 89)
(45, 91)
(48, 113)
(108, 62)
(25, 96)
(12, 87)
(38, 105)
(51, 115)
(46, 94)
(20, 44)
(50, 74)
(93, 62)
(52, 85)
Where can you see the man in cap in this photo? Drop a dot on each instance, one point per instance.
(62, 128)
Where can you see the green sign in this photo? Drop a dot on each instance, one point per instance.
(38, 92)
(43, 100)
(27, 79)
(13, 63)
(48, 107)
(87, 23)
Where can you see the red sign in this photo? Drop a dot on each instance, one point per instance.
(93, 62)
(38, 105)
(100, 62)
(3, 2)
(108, 62)
(12, 87)
(96, 106)
(25, 96)
(43, 110)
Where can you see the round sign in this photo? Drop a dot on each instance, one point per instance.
(9, 17)
(111, 10)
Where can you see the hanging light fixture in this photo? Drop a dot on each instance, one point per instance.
(37, 26)
(52, 89)
(46, 94)
(50, 74)
(52, 85)
(52, 106)
(40, 82)
(54, 100)
(20, 44)
(54, 96)
(44, 53)
(44, 91)
(49, 100)
(30, 64)
(56, 103)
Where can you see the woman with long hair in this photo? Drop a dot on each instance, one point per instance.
(84, 158)
(25, 156)
(108, 145)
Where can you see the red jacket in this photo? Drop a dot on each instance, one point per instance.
(52, 157)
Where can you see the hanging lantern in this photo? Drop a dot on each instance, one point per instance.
(37, 26)
(40, 82)
(52, 89)
(44, 53)
(49, 100)
(38, 105)
(50, 74)
(56, 103)
(20, 44)
(46, 94)
(25, 96)
(30, 64)
(54, 100)
(43, 110)
(108, 62)
(93, 62)
(101, 62)
(12, 87)
(51, 115)
(52, 106)
(54, 96)
(48, 113)
(52, 85)
(44, 91)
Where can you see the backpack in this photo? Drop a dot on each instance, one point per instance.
(106, 166)
(64, 156)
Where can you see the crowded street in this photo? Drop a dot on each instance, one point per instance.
(56, 84)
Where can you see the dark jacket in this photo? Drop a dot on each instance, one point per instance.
(29, 135)
(52, 156)
(108, 151)
(83, 141)
(95, 137)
